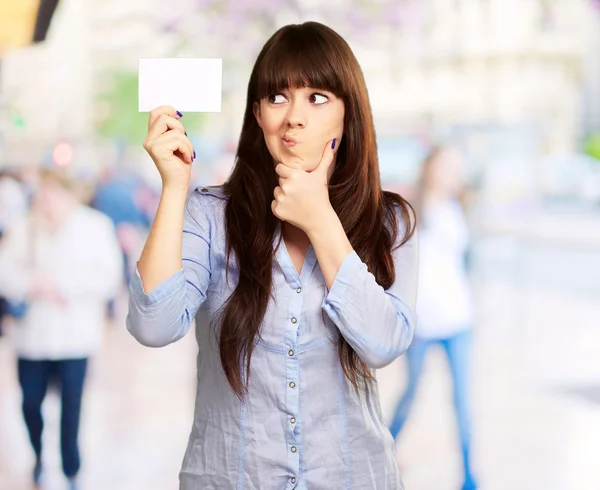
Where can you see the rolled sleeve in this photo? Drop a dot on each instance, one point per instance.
(164, 315)
(379, 324)
(162, 292)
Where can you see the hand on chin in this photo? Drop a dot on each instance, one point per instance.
(294, 159)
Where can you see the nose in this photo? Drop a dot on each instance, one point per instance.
(296, 115)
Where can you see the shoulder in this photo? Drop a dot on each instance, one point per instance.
(403, 213)
(209, 195)
(93, 218)
(206, 204)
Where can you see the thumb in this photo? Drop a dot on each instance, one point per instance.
(328, 156)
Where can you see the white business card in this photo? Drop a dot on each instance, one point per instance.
(187, 84)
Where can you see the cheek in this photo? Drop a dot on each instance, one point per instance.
(271, 121)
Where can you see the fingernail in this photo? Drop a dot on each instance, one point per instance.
(179, 114)
(333, 144)
(185, 132)
(194, 157)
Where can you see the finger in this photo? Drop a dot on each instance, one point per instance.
(162, 124)
(170, 141)
(274, 210)
(163, 109)
(294, 165)
(284, 171)
(175, 141)
(278, 193)
(327, 157)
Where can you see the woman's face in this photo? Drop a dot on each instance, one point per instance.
(51, 200)
(298, 123)
(445, 174)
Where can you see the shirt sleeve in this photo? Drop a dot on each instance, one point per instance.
(164, 315)
(15, 274)
(379, 324)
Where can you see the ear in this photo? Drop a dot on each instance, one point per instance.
(256, 110)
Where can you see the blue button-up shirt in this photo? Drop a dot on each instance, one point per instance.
(303, 425)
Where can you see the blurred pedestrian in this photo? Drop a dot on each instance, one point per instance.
(444, 305)
(62, 261)
(14, 205)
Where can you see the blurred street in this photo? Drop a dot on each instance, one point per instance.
(512, 86)
(536, 391)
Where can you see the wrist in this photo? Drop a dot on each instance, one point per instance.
(174, 192)
(327, 222)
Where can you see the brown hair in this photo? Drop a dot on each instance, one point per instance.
(59, 175)
(296, 56)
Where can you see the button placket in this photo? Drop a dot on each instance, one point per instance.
(292, 329)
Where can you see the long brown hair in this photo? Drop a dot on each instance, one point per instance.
(305, 55)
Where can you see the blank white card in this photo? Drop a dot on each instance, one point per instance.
(187, 84)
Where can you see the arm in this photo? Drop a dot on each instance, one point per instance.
(175, 269)
(15, 276)
(161, 256)
(378, 324)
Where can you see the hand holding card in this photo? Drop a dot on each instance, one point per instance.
(188, 84)
(170, 148)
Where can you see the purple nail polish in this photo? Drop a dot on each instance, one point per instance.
(185, 132)
(194, 157)
(333, 144)
(179, 114)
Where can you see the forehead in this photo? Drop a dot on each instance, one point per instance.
(307, 90)
(279, 73)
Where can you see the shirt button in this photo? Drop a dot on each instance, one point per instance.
(290, 353)
(293, 420)
(204, 189)
(293, 480)
(294, 319)
(299, 290)
(292, 384)
(294, 449)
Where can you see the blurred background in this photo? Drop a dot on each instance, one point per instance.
(514, 85)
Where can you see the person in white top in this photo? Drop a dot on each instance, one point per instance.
(13, 206)
(64, 262)
(444, 305)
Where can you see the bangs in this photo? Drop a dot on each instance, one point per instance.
(296, 59)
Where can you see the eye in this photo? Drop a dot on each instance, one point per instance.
(277, 98)
(318, 99)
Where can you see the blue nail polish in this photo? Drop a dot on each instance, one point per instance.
(333, 144)
(179, 114)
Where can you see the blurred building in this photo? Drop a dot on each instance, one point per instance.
(501, 61)
(17, 21)
(428, 63)
(47, 91)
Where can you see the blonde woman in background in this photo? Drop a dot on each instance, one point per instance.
(63, 262)
(444, 306)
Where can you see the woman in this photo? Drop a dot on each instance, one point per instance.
(63, 263)
(444, 308)
(278, 258)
